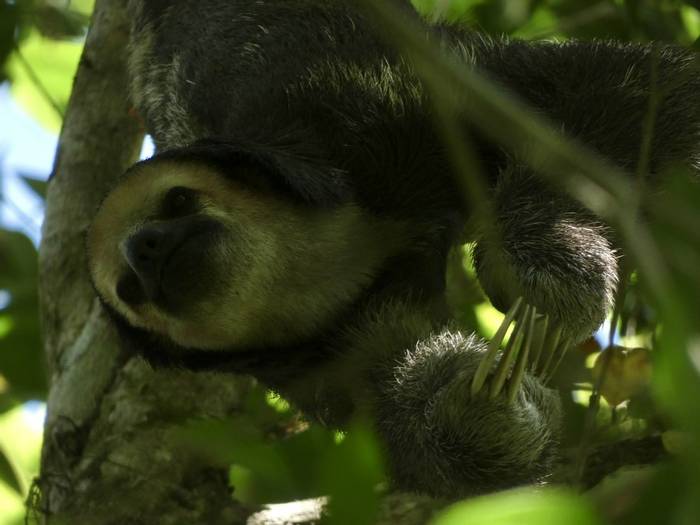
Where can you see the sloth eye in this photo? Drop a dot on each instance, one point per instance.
(179, 201)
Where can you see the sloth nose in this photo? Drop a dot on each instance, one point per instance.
(146, 251)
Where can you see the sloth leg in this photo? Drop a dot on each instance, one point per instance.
(414, 378)
(445, 441)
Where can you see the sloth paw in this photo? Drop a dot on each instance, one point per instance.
(459, 420)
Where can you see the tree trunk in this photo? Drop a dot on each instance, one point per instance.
(108, 455)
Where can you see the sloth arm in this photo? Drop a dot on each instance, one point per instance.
(544, 246)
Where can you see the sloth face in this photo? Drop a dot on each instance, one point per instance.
(181, 251)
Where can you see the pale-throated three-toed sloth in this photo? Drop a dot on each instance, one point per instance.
(295, 222)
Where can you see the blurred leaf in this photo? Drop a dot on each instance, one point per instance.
(643, 406)
(351, 473)
(7, 402)
(275, 470)
(627, 371)
(463, 292)
(21, 357)
(82, 6)
(675, 442)
(39, 186)
(691, 20)
(501, 16)
(675, 223)
(9, 474)
(59, 22)
(637, 316)
(575, 18)
(527, 506)
(645, 496)
(542, 23)
(277, 403)
(18, 261)
(304, 465)
(20, 441)
(8, 22)
(441, 10)
(54, 63)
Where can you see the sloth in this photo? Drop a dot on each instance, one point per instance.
(295, 222)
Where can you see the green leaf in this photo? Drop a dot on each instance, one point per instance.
(676, 229)
(268, 465)
(53, 64)
(8, 23)
(528, 506)
(59, 22)
(9, 474)
(350, 474)
(39, 186)
(21, 355)
(18, 260)
(21, 358)
(83, 6)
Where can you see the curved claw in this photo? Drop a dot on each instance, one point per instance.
(512, 349)
(516, 377)
(564, 347)
(548, 351)
(484, 368)
(534, 345)
(538, 339)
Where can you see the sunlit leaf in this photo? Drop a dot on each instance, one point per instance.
(20, 440)
(273, 469)
(82, 6)
(237, 441)
(691, 19)
(622, 373)
(54, 64)
(527, 506)
(8, 472)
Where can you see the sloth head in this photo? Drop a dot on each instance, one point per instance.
(216, 251)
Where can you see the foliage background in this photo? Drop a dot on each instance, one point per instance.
(40, 44)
